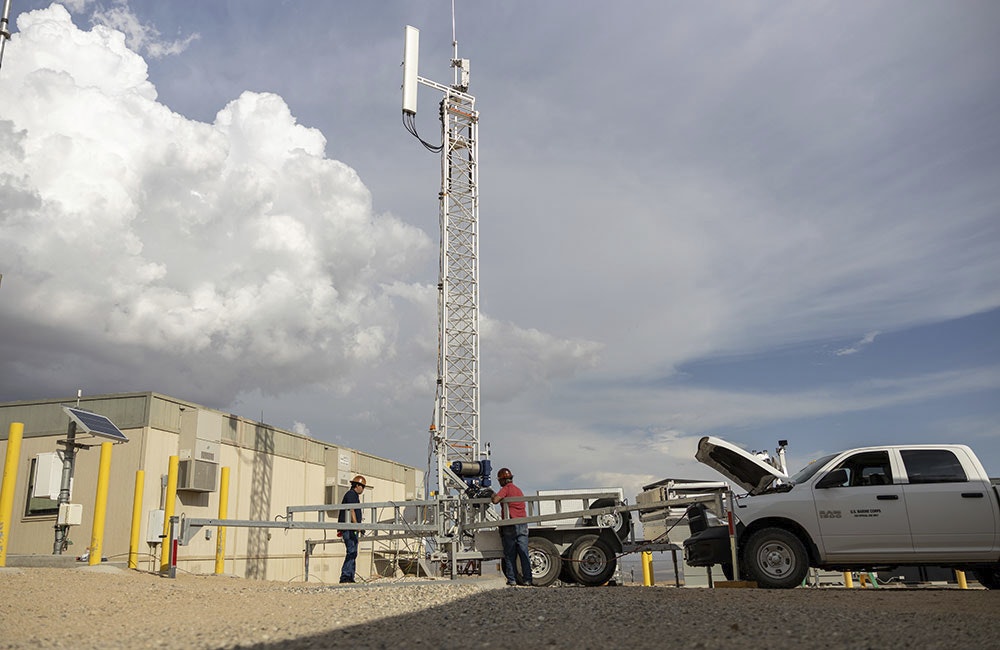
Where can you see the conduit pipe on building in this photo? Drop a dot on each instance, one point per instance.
(168, 513)
(100, 505)
(15, 433)
(133, 541)
(220, 535)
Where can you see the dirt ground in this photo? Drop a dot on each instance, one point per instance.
(106, 607)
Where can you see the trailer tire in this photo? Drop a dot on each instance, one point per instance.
(621, 522)
(566, 573)
(775, 559)
(545, 562)
(989, 578)
(592, 560)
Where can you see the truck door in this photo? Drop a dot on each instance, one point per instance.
(949, 513)
(865, 517)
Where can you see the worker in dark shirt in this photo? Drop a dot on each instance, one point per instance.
(353, 516)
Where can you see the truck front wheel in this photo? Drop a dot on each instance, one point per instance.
(989, 578)
(775, 559)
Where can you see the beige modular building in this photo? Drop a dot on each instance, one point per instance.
(269, 470)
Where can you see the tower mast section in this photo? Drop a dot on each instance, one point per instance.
(455, 426)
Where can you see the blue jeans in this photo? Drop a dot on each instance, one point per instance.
(351, 542)
(515, 547)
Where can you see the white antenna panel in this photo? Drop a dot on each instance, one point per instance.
(411, 49)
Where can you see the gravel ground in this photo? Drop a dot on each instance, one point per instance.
(105, 607)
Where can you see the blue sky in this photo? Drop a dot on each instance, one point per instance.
(751, 220)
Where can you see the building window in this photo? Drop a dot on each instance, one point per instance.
(37, 506)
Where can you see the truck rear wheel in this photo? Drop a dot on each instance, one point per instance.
(989, 578)
(592, 560)
(775, 559)
(545, 561)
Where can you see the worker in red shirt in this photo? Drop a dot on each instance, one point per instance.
(514, 537)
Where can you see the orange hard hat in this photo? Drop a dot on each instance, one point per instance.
(359, 480)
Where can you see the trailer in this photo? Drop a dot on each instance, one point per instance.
(456, 531)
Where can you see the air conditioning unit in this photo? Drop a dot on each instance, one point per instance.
(195, 475)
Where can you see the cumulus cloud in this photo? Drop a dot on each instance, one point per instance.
(236, 242)
(77, 5)
(145, 250)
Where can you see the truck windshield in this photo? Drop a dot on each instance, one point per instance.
(807, 472)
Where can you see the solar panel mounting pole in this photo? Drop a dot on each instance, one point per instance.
(69, 460)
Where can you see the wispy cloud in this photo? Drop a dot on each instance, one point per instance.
(139, 36)
(868, 339)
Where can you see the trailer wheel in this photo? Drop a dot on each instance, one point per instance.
(619, 521)
(566, 573)
(775, 559)
(592, 560)
(989, 578)
(545, 561)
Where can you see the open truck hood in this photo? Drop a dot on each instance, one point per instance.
(738, 465)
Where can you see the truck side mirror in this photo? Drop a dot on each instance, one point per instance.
(836, 478)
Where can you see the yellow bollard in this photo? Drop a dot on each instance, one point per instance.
(168, 512)
(14, 436)
(100, 505)
(647, 569)
(220, 535)
(960, 575)
(133, 540)
(848, 580)
(862, 580)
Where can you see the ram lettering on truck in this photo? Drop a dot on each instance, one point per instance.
(856, 510)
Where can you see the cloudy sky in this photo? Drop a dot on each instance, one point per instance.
(753, 220)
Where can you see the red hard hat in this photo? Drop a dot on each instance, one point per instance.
(503, 473)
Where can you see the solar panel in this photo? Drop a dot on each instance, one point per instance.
(95, 424)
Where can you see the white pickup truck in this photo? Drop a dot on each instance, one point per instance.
(860, 509)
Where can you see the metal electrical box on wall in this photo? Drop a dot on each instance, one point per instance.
(70, 514)
(201, 435)
(48, 475)
(154, 527)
